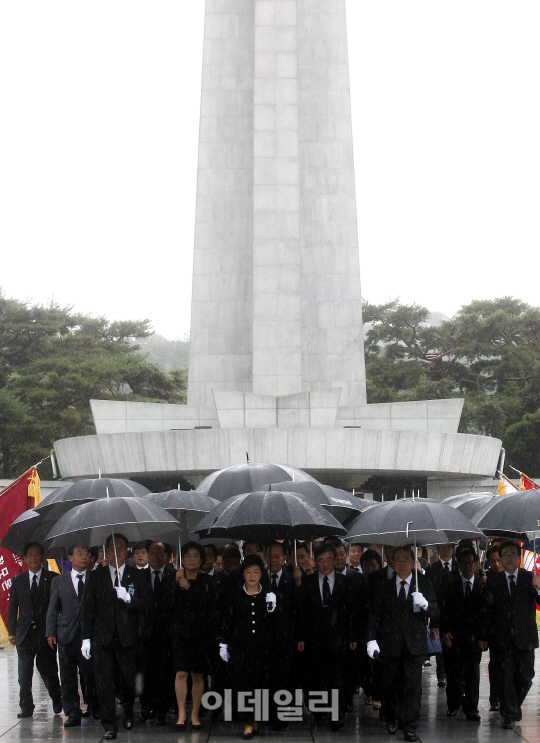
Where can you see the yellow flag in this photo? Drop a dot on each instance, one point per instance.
(522, 483)
(34, 490)
(501, 490)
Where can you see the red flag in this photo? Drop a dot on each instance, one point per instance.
(13, 501)
(526, 483)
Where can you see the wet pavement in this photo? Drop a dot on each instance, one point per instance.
(361, 725)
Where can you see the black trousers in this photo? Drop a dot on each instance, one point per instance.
(72, 665)
(326, 670)
(280, 672)
(109, 659)
(158, 676)
(494, 671)
(516, 674)
(35, 647)
(462, 676)
(401, 680)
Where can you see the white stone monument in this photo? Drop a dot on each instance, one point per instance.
(277, 359)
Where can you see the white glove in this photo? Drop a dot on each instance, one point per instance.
(123, 594)
(271, 599)
(372, 648)
(419, 600)
(224, 652)
(85, 649)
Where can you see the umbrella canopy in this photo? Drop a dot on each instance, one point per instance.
(470, 503)
(263, 516)
(409, 520)
(516, 515)
(342, 505)
(90, 524)
(187, 506)
(84, 491)
(246, 478)
(28, 527)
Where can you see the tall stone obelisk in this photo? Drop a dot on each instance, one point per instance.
(276, 306)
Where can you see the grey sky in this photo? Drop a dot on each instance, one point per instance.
(98, 152)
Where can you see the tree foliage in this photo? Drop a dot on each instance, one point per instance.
(489, 353)
(53, 361)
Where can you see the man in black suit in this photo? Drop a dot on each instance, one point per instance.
(158, 685)
(278, 578)
(114, 598)
(64, 630)
(28, 603)
(397, 629)
(493, 558)
(440, 573)
(511, 598)
(327, 627)
(463, 631)
(383, 574)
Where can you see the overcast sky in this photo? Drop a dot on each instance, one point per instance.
(99, 114)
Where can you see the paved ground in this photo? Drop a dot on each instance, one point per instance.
(361, 725)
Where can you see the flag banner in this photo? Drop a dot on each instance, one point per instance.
(530, 560)
(14, 499)
(506, 486)
(526, 483)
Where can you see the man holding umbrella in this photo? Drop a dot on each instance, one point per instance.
(397, 631)
(114, 598)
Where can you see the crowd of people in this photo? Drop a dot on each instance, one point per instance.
(262, 633)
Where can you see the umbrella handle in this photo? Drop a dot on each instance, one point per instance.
(115, 557)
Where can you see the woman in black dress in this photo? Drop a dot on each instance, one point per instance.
(194, 629)
(246, 635)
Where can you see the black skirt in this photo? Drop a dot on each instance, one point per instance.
(191, 656)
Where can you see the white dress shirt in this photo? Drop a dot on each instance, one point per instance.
(278, 576)
(390, 572)
(75, 579)
(331, 580)
(112, 571)
(407, 584)
(444, 562)
(211, 572)
(142, 567)
(31, 576)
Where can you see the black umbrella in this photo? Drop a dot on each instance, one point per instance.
(262, 516)
(28, 527)
(342, 505)
(76, 493)
(516, 515)
(92, 523)
(412, 520)
(247, 478)
(470, 503)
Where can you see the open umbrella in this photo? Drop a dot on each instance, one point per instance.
(412, 520)
(516, 515)
(470, 503)
(262, 516)
(76, 493)
(28, 527)
(342, 505)
(246, 478)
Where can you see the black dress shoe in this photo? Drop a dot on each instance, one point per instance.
(441, 684)
(25, 713)
(391, 727)
(110, 735)
(508, 723)
(495, 707)
(451, 712)
(247, 736)
(96, 715)
(473, 716)
(57, 708)
(127, 722)
(410, 735)
(144, 714)
(518, 717)
(72, 722)
(160, 722)
(336, 725)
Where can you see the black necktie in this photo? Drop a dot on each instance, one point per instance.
(80, 587)
(326, 595)
(157, 582)
(446, 567)
(402, 594)
(354, 568)
(512, 587)
(274, 583)
(116, 581)
(467, 589)
(34, 589)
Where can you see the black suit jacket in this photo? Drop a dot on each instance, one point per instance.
(394, 628)
(105, 616)
(512, 623)
(335, 626)
(464, 617)
(64, 613)
(438, 577)
(283, 619)
(21, 612)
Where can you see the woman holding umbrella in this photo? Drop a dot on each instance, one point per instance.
(246, 635)
(194, 630)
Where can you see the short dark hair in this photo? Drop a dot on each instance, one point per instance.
(193, 546)
(116, 538)
(492, 551)
(167, 547)
(464, 552)
(71, 549)
(213, 549)
(93, 552)
(336, 541)
(29, 545)
(140, 546)
(302, 546)
(251, 541)
(231, 550)
(275, 543)
(464, 544)
(510, 543)
(324, 548)
(251, 561)
(370, 555)
(404, 548)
